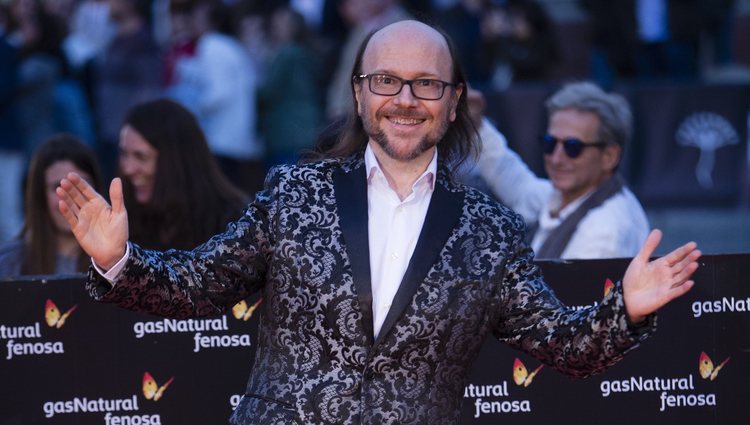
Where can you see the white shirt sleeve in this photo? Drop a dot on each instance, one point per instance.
(509, 177)
(111, 274)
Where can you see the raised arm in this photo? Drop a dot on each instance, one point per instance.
(649, 285)
(101, 229)
(509, 178)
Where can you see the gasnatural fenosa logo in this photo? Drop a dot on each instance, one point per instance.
(18, 337)
(676, 392)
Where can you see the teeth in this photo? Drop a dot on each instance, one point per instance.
(407, 121)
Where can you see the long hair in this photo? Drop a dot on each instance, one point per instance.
(192, 199)
(459, 142)
(39, 232)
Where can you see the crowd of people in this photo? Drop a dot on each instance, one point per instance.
(261, 82)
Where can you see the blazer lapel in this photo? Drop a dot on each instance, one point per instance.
(351, 201)
(442, 214)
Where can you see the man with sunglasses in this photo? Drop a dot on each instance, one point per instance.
(584, 209)
(381, 276)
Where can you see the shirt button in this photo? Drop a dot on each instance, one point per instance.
(394, 256)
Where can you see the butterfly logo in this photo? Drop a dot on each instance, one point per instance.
(151, 390)
(608, 286)
(706, 366)
(521, 376)
(241, 311)
(52, 314)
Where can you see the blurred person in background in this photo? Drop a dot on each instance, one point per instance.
(655, 39)
(288, 98)
(517, 43)
(11, 143)
(175, 192)
(182, 41)
(584, 209)
(46, 245)
(462, 21)
(38, 36)
(362, 17)
(217, 83)
(127, 72)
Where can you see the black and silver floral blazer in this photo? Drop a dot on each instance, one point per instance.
(303, 243)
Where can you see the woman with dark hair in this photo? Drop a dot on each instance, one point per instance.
(46, 245)
(175, 193)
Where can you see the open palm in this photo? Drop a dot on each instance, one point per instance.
(101, 229)
(650, 284)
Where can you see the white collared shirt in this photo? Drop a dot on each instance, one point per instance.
(393, 227)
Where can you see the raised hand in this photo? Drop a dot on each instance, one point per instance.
(101, 229)
(648, 285)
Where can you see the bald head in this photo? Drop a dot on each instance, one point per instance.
(426, 48)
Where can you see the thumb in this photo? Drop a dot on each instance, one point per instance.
(115, 196)
(649, 246)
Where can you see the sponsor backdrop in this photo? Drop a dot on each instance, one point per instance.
(65, 359)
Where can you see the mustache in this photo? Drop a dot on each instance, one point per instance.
(403, 113)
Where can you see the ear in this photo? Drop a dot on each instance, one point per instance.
(611, 157)
(456, 95)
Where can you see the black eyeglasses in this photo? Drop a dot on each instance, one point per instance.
(388, 85)
(573, 147)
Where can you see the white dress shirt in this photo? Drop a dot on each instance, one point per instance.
(393, 227)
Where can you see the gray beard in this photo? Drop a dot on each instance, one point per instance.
(424, 145)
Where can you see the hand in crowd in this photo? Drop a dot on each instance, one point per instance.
(101, 229)
(648, 285)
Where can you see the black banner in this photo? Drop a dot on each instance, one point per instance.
(65, 359)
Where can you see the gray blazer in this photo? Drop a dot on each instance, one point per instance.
(303, 242)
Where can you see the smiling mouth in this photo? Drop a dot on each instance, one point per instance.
(405, 120)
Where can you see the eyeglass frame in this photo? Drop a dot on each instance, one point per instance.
(572, 146)
(404, 82)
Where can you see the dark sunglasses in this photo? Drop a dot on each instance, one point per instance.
(573, 147)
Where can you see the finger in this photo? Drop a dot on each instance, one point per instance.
(71, 218)
(684, 274)
(648, 248)
(115, 195)
(680, 253)
(83, 187)
(73, 196)
(687, 260)
(681, 290)
(64, 196)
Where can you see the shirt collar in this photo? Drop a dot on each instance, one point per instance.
(373, 167)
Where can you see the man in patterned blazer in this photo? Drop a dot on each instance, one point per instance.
(381, 276)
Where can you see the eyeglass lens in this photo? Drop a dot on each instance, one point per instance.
(388, 85)
(572, 146)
